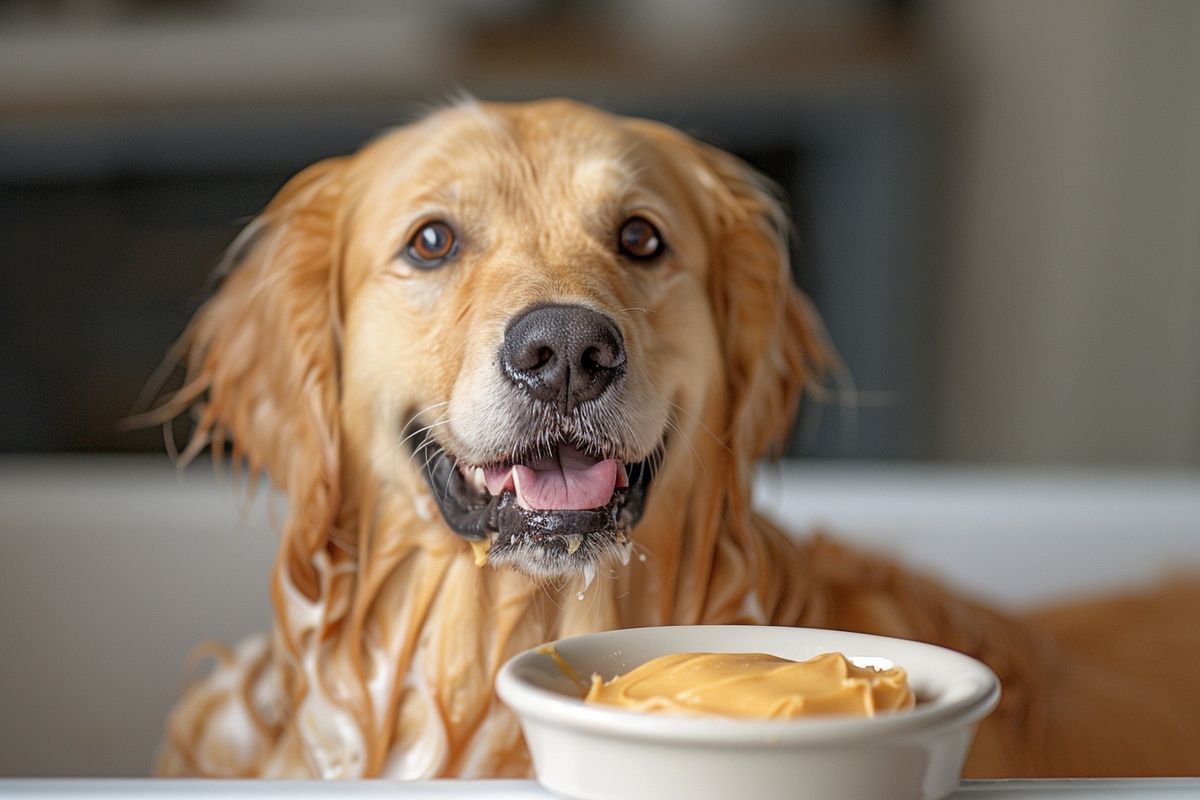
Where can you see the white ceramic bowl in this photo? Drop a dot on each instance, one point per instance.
(595, 753)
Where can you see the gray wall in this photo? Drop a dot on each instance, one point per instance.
(1070, 286)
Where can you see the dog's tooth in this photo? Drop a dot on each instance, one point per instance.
(622, 477)
(521, 501)
(573, 543)
(479, 480)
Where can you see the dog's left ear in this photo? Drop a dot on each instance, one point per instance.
(773, 338)
(262, 359)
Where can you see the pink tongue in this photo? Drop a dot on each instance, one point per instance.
(568, 481)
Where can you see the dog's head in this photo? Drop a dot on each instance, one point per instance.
(527, 313)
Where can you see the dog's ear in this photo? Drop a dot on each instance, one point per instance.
(262, 358)
(774, 341)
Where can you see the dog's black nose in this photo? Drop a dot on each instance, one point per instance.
(565, 355)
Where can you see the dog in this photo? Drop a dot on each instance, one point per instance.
(512, 366)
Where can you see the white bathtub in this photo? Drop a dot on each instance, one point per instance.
(114, 567)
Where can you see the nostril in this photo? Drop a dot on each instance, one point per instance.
(598, 357)
(533, 358)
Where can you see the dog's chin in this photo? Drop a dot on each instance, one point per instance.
(543, 542)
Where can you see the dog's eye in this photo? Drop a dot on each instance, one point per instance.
(640, 239)
(431, 246)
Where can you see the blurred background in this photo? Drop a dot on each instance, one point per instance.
(997, 207)
(997, 203)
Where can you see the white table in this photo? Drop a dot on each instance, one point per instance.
(147, 789)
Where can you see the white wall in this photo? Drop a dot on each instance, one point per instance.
(112, 570)
(1070, 327)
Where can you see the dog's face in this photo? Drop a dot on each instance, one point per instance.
(526, 319)
(533, 309)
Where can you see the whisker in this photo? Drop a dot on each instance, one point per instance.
(424, 410)
(449, 475)
(700, 424)
(427, 444)
(672, 425)
(441, 419)
(542, 585)
(429, 458)
(644, 556)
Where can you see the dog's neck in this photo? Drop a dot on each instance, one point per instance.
(407, 633)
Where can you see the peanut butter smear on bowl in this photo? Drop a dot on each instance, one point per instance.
(755, 686)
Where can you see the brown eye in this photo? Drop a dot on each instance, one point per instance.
(431, 246)
(639, 239)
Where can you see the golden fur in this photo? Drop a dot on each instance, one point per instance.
(321, 344)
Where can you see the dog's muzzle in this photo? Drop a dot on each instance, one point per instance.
(560, 501)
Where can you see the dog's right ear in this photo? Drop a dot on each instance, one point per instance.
(262, 359)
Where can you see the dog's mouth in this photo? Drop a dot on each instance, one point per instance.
(555, 510)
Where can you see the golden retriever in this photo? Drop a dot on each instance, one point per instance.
(556, 341)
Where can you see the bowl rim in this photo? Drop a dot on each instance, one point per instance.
(549, 707)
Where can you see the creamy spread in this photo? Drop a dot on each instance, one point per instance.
(480, 548)
(564, 666)
(755, 685)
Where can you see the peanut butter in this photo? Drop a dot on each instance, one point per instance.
(480, 549)
(755, 685)
(564, 666)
